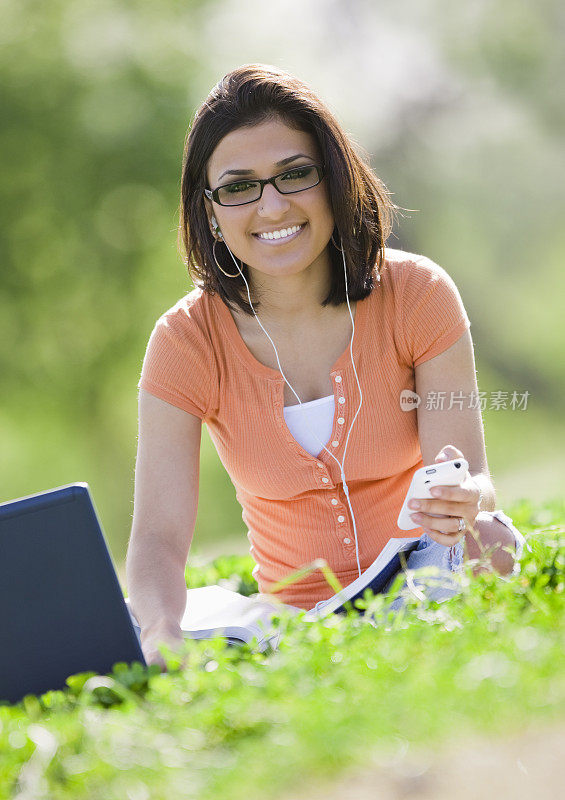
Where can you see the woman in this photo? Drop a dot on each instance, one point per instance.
(296, 347)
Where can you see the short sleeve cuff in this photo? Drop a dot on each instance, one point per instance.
(170, 397)
(444, 342)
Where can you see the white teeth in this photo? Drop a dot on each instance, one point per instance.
(280, 234)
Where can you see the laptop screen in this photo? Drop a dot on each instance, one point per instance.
(63, 610)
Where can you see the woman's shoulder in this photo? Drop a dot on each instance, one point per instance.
(400, 262)
(190, 304)
(187, 321)
(402, 270)
(427, 303)
(179, 364)
(192, 310)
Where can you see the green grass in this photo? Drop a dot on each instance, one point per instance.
(238, 724)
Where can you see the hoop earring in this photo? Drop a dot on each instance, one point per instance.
(335, 245)
(216, 260)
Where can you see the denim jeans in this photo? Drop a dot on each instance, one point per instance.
(441, 586)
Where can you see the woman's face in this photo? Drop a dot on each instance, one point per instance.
(257, 150)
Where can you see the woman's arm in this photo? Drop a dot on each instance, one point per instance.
(165, 506)
(450, 425)
(448, 377)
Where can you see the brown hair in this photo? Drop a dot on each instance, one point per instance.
(362, 208)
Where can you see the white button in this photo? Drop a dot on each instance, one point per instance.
(338, 378)
(346, 540)
(341, 400)
(334, 501)
(320, 464)
(341, 518)
(325, 480)
(335, 444)
(340, 421)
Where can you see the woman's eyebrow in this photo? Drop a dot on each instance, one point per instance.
(278, 164)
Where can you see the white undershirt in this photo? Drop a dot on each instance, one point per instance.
(316, 417)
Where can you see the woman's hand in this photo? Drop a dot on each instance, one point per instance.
(171, 635)
(455, 502)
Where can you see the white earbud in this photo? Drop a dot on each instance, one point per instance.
(217, 227)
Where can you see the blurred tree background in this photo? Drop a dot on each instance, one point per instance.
(460, 110)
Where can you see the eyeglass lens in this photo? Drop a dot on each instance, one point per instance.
(295, 180)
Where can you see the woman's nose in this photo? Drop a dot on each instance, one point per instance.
(272, 202)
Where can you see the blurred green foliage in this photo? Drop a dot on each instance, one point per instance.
(96, 100)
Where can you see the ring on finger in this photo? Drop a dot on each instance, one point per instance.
(461, 525)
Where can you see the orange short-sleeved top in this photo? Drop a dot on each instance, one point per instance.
(293, 503)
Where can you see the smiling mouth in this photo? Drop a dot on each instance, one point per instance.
(280, 239)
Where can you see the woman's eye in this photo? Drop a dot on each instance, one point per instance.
(299, 172)
(237, 187)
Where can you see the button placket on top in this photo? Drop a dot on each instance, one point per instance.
(335, 441)
(338, 380)
(323, 479)
(341, 520)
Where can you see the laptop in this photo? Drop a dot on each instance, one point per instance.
(62, 607)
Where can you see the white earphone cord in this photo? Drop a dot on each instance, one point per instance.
(345, 488)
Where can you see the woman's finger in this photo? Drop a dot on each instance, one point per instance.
(457, 494)
(448, 508)
(441, 524)
(448, 540)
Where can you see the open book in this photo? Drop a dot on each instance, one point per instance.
(214, 610)
(377, 577)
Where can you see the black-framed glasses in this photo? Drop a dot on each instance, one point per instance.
(297, 179)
